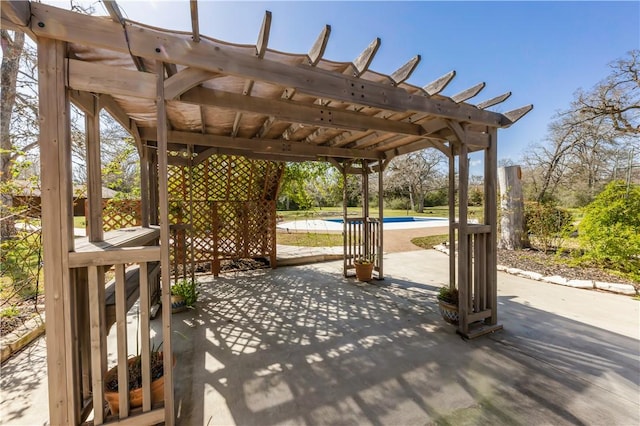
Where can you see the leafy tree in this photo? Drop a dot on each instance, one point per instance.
(610, 229)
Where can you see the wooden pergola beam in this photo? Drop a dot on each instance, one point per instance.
(48, 21)
(102, 79)
(266, 146)
(116, 15)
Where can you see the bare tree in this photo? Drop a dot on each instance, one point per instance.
(416, 174)
(12, 46)
(585, 141)
(616, 98)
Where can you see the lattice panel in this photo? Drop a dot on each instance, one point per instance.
(226, 206)
(118, 214)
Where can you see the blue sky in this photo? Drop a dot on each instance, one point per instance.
(540, 51)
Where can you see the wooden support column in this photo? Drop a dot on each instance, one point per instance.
(464, 254)
(153, 185)
(57, 233)
(381, 217)
(94, 172)
(345, 230)
(491, 218)
(365, 207)
(144, 183)
(452, 219)
(163, 196)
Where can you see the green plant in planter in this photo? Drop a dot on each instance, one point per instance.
(448, 295)
(188, 290)
(364, 259)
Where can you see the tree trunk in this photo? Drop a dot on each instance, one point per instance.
(511, 208)
(11, 52)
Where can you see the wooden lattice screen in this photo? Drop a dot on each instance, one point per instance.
(224, 208)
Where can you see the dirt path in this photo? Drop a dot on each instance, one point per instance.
(400, 240)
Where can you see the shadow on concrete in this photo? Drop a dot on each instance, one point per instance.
(306, 346)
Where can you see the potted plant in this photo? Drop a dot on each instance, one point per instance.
(448, 304)
(184, 294)
(364, 267)
(134, 364)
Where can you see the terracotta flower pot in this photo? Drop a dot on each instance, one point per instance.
(135, 395)
(364, 271)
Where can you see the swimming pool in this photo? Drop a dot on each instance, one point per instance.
(390, 223)
(400, 219)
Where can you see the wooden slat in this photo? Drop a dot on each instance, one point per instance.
(362, 62)
(122, 350)
(127, 237)
(109, 104)
(265, 146)
(169, 416)
(145, 335)
(116, 15)
(96, 78)
(98, 340)
(195, 26)
(113, 256)
(16, 16)
(318, 48)
(478, 316)
(263, 37)
(517, 114)
(494, 101)
(468, 93)
(53, 22)
(152, 417)
(404, 72)
(301, 113)
(439, 85)
(184, 80)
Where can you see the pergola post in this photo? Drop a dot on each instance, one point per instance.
(381, 218)
(365, 208)
(491, 218)
(452, 219)
(57, 232)
(345, 234)
(94, 172)
(144, 183)
(464, 254)
(165, 265)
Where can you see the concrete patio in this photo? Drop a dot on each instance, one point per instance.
(302, 345)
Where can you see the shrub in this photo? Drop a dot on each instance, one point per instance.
(448, 295)
(547, 225)
(610, 229)
(188, 289)
(398, 203)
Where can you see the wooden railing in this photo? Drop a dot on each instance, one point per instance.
(477, 301)
(103, 302)
(362, 239)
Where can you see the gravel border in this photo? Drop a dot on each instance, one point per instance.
(619, 288)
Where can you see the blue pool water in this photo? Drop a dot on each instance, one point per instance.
(401, 219)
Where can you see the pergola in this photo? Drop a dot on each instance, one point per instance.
(185, 97)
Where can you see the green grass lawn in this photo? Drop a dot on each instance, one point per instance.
(430, 241)
(309, 239)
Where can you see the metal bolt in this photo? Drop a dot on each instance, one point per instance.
(158, 49)
(41, 24)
